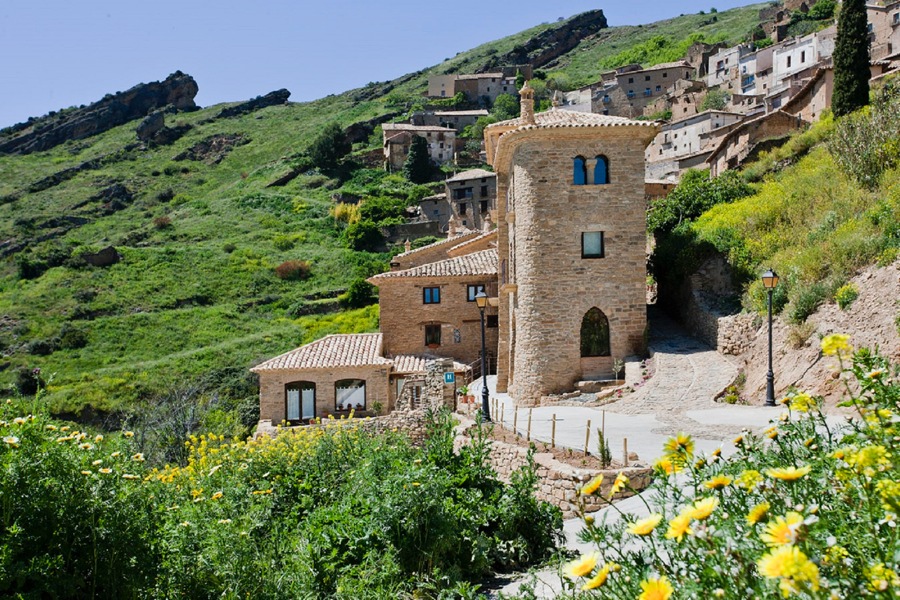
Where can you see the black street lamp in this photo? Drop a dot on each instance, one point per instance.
(770, 280)
(481, 299)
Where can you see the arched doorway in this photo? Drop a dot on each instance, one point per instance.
(594, 334)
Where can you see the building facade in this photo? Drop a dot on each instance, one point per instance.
(571, 241)
(398, 137)
(472, 195)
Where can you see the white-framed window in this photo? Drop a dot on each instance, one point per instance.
(300, 401)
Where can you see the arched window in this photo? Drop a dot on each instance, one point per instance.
(350, 393)
(594, 333)
(579, 171)
(601, 171)
(300, 401)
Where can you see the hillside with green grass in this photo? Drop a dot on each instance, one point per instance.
(204, 286)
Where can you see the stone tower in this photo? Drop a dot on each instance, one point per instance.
(571, 224)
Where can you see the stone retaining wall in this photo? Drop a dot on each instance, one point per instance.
(559, 482)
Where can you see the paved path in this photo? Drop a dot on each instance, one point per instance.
(679, 397)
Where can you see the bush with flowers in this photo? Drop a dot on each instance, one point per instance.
(327, 511)
(806, 510)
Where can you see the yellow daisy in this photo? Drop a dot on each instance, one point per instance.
(793, 569)
(593, 486)
(749, 479)
(703, 508)
(718, 482)
(757, 513)
(645, 526)
(598, 579)
(788, 473)
(679, 527)
(783, 530)
(803, 403)
(836, 344)
(619, 484)
(681, 444)
(581, 566)
(656, 589)
(667, 466)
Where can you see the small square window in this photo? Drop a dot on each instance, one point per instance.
(433, 335)
(472, 291)
(431, 295)
(491, 321)
(646, 78)
(592, 244)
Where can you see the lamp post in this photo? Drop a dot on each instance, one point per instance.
(481, 299)
(770, 280)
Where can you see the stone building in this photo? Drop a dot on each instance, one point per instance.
(571, 239)
(686, 143)
(430, 309)
(884, 27)
(454, 119)
(472, 195)
(479, 87)
(683, 99)
(398, 138)
(633, 89)
(734, 148)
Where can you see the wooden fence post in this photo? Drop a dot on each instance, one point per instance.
(516, 421)
(553, 432)
(528, 436)
(587, 437)
(625, 448)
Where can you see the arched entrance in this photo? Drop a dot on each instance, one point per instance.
(596, 359)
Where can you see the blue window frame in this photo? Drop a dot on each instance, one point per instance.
(431, 295)
(579, 171)
(601, 171)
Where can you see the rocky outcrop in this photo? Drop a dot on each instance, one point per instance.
(104, 258)
(552, 43)
(177, 91)
(213, 149)
(271, 99)
(152, 130)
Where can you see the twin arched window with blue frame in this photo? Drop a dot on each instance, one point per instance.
(580, 171)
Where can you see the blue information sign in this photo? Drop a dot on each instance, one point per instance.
(449, 377)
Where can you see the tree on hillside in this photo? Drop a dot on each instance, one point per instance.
(329, 147)
(505, 107)
(417, 167)
(715, 99)
(851, 59)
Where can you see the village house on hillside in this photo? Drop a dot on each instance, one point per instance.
(468, 199)
(627, 90)
(398, 137)
(454, 119)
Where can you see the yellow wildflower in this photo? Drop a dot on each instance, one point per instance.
(890, 494)
(835, 555)
(51, 428)
(749, 479)
(20, 420)
(783, 530)
(581, 566)
(656, 589)
(738, 440)
(682, 445)
(667, 466)
(115, 454)
(618, 485)
(98, 439)
(593, 486)
(97, 462)
(129, 476)
(875, 374)
(598, 579)
(11, 441)
(679, 527)
(792, 568)
(788, 473)
(871, 456)
(757, 513)
(86, 472)
(139, 457)
(86, 446)
(217, 495)
(224, 521)
(718, 482)
(803, 402)
(106, 470)
(881, 578)
(836, 344)
(645, 526)
(703, 508)
(128, 434)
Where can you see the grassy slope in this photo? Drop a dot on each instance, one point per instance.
(179, 305)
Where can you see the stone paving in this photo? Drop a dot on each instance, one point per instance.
(678, 398)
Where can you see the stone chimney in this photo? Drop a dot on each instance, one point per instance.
(407, 246)
(526, 94)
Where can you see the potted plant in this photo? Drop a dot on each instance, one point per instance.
(462, 392)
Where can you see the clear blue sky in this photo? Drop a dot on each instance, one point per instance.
(59, 53)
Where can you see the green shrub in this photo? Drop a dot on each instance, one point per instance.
(865, 143)
(363, 235)
(845, 295)
(360, 293)
(283, 242)
(804, 300)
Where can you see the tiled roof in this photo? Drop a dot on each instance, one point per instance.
(670, 65)
(408, 127)
(462, 113)
(416, 364)
(449, 242)
(557, 117)
(349, 350)
(476, 263)
(469, 242)
(472, 174)
(481, 76)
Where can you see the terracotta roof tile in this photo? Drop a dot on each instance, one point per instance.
(404, 364)
(449, 242)
(463, 245)
(476, 263)
(350, 350)
(408, 127)
(462, 113)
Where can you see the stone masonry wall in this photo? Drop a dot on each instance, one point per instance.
(555, 285)
(558, 483)
(404, 317)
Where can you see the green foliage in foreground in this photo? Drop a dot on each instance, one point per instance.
(324, 512)
(807, 511)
